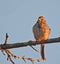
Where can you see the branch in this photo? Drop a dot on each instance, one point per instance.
(7, 51)
(10, 54)
(5, 47)
(29, 43)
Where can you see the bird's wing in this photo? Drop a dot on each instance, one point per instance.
(37, 30)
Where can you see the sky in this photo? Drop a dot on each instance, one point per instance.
(17, 18)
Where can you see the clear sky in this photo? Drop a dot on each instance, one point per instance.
(17, 18)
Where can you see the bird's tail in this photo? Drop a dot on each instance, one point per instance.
(42, 52)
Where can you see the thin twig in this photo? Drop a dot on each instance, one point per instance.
(9, 57)
(34, 49)
(6, 40)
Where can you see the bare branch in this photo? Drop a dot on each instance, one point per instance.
(10, 54)
(6, 40)
(29, 43)
(5, 48)
(34, 49)
(9, 57)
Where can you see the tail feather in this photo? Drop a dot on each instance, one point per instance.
(42, 52)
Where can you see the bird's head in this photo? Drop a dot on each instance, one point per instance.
(41, 19)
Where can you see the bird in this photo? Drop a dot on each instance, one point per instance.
(41, 31)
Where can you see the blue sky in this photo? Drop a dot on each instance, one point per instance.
(17, 18)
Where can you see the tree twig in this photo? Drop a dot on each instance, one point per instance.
(5, 47)
(29, 43)
(10, 54)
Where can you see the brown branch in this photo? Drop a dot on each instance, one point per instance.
(29, 43)
(10, 54)
(6, 40)
(5, 47)
(7, 51)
